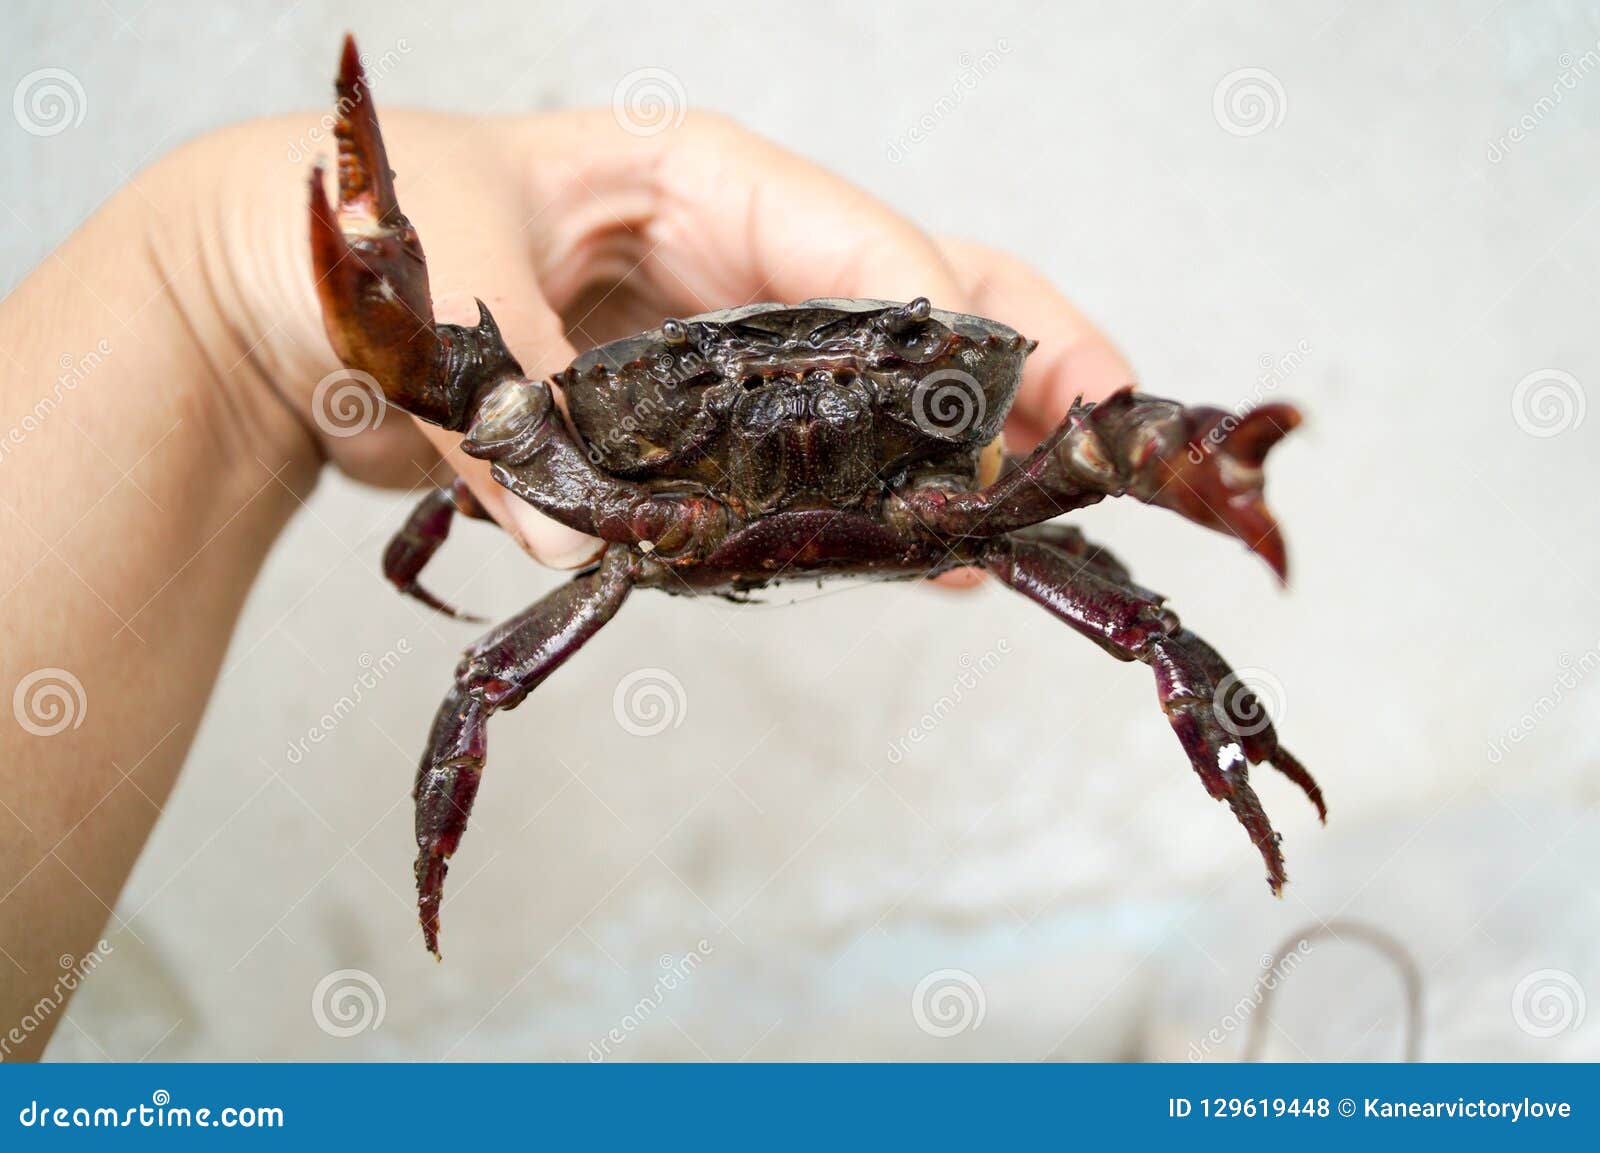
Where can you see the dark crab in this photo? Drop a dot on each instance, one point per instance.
(721, 453)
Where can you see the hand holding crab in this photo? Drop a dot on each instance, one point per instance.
(722, 452)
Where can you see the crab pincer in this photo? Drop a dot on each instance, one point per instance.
(1214, 477)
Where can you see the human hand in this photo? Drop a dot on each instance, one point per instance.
(576, 231)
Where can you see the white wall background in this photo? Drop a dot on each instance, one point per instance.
(1046, 839)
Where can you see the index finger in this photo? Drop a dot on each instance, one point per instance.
(719, 216)
(1073, 358)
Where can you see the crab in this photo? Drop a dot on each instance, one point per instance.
(719, 454)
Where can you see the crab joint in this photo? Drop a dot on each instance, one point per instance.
(506, 412)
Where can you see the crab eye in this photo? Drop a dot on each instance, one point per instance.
(675, 332)
(896, 321)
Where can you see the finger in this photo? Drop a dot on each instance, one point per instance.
(715, 216)
(1074, 357)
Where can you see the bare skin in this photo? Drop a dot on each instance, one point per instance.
(197, 279)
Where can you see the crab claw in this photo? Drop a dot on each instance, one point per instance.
(1211, 473)
(372, 279)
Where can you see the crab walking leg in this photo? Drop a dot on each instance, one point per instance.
(419, 538)
(1203, 463)
(1219, 723)
(497, 673)
(372, 279)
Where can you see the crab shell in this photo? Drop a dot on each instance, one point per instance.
(770, 404)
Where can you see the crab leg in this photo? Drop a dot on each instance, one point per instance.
(373, 281)
(419, 538)
(1201, 462)
(1219, 723)
(496, 673)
